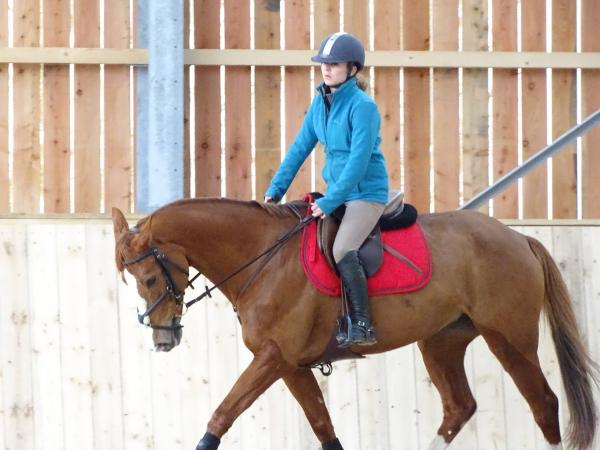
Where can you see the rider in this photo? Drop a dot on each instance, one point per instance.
(346, 121)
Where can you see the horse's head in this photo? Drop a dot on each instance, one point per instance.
(160, 270)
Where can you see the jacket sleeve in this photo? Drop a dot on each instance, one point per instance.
(365, 123)
(303, 144)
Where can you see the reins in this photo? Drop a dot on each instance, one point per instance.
(282, 240)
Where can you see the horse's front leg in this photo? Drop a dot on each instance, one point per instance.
(303, 385)
(267, 366)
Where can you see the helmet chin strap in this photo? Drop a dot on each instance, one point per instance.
(348, 76)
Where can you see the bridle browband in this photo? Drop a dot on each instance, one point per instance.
(171, 289)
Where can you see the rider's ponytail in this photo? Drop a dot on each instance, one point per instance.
(362, 82)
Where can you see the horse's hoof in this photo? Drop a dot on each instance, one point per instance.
(208, 442)
(333, 445)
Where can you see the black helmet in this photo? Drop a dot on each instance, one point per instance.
(341, 47)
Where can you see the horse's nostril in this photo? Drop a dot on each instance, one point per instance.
(163, 347)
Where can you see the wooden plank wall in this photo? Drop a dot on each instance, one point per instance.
(88, 183)
(26, 111)
(475, 98)
(564, 111)
(207, 104)
(388, 22)
(267, 96)
(446, 127)
(49, 173)
(441, 143)
(238, 154)
(56, 111)
(534, 105)
(77, 370)
(4, 157)
(505, 107)
(297, 90)
(118, 151)
(416, 107)
(590, 79)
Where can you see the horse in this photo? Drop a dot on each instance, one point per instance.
(487, 280)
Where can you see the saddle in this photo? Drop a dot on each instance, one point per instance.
(396, 215)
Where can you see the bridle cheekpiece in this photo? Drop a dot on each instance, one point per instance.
(171, 289)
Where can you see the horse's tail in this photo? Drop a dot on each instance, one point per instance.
(577, 369)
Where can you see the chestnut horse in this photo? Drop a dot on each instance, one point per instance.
(488, 280)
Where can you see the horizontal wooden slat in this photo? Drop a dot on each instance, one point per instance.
(63, 55)
(265, 57)
(392, 58)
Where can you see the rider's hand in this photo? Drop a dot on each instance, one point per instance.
(316, 211)
(268, 199)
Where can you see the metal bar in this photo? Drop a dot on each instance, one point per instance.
(266, 57)
(518, 172)
(142, 171)
(162, 181)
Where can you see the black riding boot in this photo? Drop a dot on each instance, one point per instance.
(354, 281)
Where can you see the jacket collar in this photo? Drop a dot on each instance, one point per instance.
(339, 92)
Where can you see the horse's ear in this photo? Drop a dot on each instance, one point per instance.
(120, 226)
(119, 222)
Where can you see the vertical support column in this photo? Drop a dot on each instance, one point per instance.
(160, 105)
(141, 135)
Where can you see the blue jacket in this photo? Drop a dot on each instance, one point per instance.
(354, 165)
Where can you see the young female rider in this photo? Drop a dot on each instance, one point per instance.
(346, 121)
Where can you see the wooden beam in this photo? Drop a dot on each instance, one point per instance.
(394, 58)
(265, 57)
(64, 55)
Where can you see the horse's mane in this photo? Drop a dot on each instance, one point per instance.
(285, 210)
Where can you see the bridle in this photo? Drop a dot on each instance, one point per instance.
(171, 289)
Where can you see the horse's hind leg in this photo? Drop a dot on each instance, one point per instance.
(520, 360)
(443, 354)
(303, 385)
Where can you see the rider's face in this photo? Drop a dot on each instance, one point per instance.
(334, 73)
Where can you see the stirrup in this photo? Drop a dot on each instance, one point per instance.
(360, 333)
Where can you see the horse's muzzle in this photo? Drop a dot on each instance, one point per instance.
(167, 339)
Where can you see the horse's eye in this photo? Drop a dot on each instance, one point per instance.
(150, 281)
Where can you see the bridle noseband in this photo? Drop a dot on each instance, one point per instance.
(171, 288)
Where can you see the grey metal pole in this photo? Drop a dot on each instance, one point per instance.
(141, 155)
(537, 159)
(160, 99)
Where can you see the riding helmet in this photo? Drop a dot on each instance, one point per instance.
(341, 47)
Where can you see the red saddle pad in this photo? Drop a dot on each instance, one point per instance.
(395, 276)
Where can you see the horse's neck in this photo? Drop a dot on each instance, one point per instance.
(219, 237)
